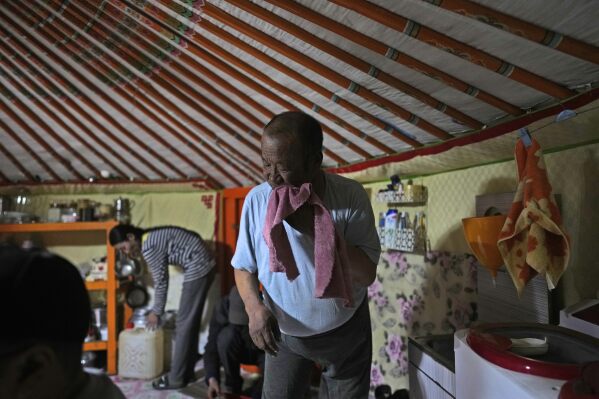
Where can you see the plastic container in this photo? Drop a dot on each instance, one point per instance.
(141, 353)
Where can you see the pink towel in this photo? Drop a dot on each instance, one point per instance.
(333, 278)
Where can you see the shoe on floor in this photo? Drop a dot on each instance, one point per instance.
(162, 383)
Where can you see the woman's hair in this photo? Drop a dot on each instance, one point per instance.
(119, 233)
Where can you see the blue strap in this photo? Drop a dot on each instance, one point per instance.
(525, 137)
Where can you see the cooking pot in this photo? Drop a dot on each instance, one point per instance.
(126, 266)
(136, 295)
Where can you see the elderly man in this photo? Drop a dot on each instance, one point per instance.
(309, 238)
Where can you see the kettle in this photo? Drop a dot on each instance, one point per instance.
(122, 210)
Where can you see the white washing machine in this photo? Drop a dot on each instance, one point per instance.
(487, 367)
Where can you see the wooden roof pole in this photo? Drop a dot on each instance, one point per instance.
(308, 104)
(57, 23)
(32, 133)
(184, 58)
(68, 102)
(331, 133)
(167, 80)
(143, 45)
(157, 137)
(16, 162)
(83, 99)
(401, 58)
(252, 84)
(352, 60)
(222, 34)
(407, 61)
(25, 146)
(157, 104)
(448, 44)
(519, 27)
(58, 106)
(4, 178)
(85, 81)
(319, 68)
(32, 115)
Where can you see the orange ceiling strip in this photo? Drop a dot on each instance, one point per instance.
(25, 146)
(16, 162)
(267, 80)
(136, 95)
(329, 74)
(257, 136)
(33, 115)
(125, 112)
(222, 34)
(104, 114)
(397, 56)
(168, 80)
(290, 72)
(4, 178)
(58, 106)
(69, 103)
(351, 59)
(519, 27)
(153, 116)
(202, 54)
(32, 133)
(446, 43)
(51, 113)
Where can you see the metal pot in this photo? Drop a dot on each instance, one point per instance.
(122, 210)
(136, 295)
(126, 266)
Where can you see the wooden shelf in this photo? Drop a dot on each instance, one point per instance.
(96, 285)
(110, 285)
(95, 346)
(42, 227)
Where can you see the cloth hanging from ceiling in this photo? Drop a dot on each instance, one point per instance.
(533, 240)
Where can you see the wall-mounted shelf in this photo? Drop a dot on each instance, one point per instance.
(110, 285)
(404, 235)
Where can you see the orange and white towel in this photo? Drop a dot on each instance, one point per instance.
(532, 239)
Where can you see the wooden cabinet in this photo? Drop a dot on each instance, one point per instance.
(110, 285)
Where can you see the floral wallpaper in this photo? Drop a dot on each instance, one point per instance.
(415, 295)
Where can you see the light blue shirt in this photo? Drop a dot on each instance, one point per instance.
(297, 310)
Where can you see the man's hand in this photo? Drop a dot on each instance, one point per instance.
(213, 388)
(152, 321)
(264, 329)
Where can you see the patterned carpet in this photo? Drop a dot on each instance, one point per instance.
(142, 389)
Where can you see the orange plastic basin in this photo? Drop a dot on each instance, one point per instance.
(481, 234)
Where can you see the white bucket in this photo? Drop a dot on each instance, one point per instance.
(141, 353)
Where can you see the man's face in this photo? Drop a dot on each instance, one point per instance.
(284, 161)
(129, 247)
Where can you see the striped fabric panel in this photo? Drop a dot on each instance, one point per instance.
(174, 246)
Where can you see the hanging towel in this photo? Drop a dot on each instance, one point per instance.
(332, 270)
(532, 240)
